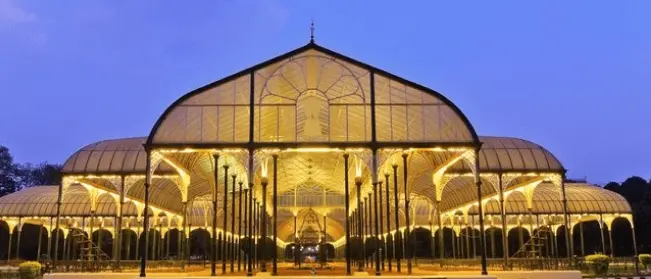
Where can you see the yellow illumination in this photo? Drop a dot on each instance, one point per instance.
(358, 168)
(322, 150)
(264, 171)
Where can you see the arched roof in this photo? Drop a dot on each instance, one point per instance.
(581, 199)
(315, 85)
(498, 154)
(115, 156)
(508, 154)
(41, 201)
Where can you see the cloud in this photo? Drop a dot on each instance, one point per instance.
(11, 15)
(19, 23)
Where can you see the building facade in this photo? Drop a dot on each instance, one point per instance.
(312, 149)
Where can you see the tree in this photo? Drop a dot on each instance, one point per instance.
(637, 191)
(612, 186)
(41, 174)
(8, 172)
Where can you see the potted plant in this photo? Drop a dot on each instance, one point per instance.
(645, 260)
(598, 264)
(30, 270)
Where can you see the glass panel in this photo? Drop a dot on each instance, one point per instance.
(210, 116)
(322, 98)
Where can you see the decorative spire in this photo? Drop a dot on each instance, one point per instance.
(312, 32)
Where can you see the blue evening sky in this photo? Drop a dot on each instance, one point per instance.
(573, 76)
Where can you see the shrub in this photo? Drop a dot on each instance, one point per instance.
(30, 270)
(645, 260)
(598, 263)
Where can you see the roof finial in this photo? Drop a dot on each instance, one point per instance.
(312, 31)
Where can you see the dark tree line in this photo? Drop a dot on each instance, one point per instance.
(14, 177)
(637, 192)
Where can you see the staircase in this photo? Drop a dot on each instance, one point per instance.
(532, 249)
(89, 250)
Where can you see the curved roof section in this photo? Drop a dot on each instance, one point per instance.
(581, 199)
(41, 201)
(117, 156)
(498, 154)
(315, 84)
(507, 154)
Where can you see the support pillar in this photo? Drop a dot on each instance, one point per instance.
(274, 268)
(19, 229)
(138, 236)
(56, 224)
(232, 246)
(127, 254)
(468, 239)
(239, 226)
(610, 241)
(224, 217)
(40, 239)
(118, 225)
(377, 228)
(91, 223)
(247, 231)
(179, 243)
(474, 237)
(505, 232)
(601, 232)
(360, 262)
(582, 239)
(11, 234)
(347, 204)
(49, 239)
(408, 239)
(256, 229)
(263, 227)
(386, 242)
(635, 255)
(367, 229)
(296, 247)
(396, 212)
(493, 243)
(167, 240)
(566, 221)
(213, 238)
(249, 217)
(143, 260)
(440, 223)
(482, 245)
(454, 238)
(381, 239)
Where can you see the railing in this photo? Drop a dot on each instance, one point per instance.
(494, 264)
(618, 267)
(124, 266)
